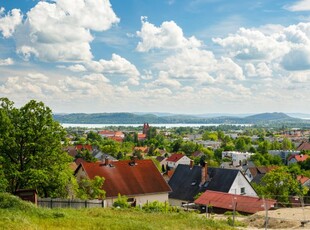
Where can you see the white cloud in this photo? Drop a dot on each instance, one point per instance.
(117, 66)
(77, 68)
(190, 64)
(299, 77)
(164, 81)
(302, 5)
(7, 61)
(297, 59)
(9, 22)
(95, 77)
(60, 30)
(168, 36)
(253, 44)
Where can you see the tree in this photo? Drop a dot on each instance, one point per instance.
(279, 184)
(30, 145)
(91, 189)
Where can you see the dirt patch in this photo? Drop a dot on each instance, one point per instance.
(284, 218)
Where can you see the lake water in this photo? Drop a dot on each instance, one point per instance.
(65, 125)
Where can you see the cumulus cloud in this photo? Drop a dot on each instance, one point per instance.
(253, 44)
(167, 36)
(7, 61)
(77, 68)
(297, 59)
(9, 22)
(60, 30)
(117, 66)
(164, 81)
(302, 5)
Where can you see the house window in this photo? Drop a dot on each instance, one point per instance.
(242, 190)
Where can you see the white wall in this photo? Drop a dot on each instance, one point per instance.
(141, 199)
(240, 182)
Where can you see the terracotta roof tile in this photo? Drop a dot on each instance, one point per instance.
(304, 146)
(81, 147)
(175, 157)
(299, 158)
(302, 179)
(244, 204)
(141, 178)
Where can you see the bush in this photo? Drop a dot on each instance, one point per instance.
(8, 201)
(121, 202)
(157, 206)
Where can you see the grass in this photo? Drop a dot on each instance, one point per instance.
(23, 215)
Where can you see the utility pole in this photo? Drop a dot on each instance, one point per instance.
(266, 216)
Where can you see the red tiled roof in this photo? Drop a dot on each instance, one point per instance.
(299, 158)
(304, 146)
(80, 147)
(141, 178)
(106, 132)
(244, 204)
(116, 138)
(302, 179)
(141, 136)
(175, 157)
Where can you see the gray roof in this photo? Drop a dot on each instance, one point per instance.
(185, 182)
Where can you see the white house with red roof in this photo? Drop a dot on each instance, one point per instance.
(297, 158)
(139, 180)
(175, 159)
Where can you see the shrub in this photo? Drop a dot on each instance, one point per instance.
(121, 202)
(157, 206)
(8, 201)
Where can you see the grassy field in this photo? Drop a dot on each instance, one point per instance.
(21, 215)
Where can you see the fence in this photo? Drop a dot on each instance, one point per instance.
(68, 203)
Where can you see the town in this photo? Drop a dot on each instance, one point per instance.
(207, 169)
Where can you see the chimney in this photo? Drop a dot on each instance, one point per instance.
(106, 160)
(204, 173)
(191, 164)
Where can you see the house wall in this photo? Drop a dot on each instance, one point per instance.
(140, 199)
(242, 182)
(248, 175)
(175, 202)
(292, 161)
(80, 174)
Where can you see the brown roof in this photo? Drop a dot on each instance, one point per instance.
(299, 158)
(304, 146)
(261, 169)
(302, 179)
(84, 147)
(175, 157)
(126, 178)
(142, 149)
(244, 204)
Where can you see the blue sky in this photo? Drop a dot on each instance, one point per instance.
(193, 57)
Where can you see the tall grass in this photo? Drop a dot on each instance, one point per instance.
(17, 214)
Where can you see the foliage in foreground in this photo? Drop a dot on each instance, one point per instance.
(22, 215)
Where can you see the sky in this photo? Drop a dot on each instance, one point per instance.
(176, 56)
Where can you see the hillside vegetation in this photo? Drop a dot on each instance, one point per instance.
(17, 214)
(131, 118)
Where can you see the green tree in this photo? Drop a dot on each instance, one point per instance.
(279, 184)
(30, 146)
(121, 201)
(91, 189)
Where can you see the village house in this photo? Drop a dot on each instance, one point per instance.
(220, 202)
(113, 135)
(256, 173)
(304, 146)
(139, 180)
(189, 180)
(305, 181)
(297, 158)
(177, 158)
(283, 154)
(236, 158)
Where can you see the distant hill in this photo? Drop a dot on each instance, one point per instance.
(131, 118)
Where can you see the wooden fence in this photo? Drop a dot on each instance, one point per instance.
(68, 203)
